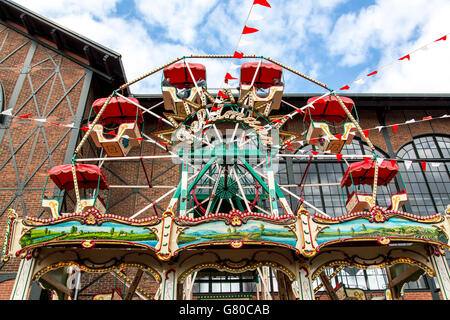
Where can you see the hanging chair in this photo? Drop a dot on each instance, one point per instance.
(119, 127)
(363, 172)
(178, 85)
(323, 112)
(267, 87)
(88, 177)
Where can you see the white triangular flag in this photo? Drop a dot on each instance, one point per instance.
(359, 81)
(40, 120)
(410, 121)
(380, 161)
(408, 164)
(435, 164)
(70, 125)
(445, 116)
(7, 112)
(255, 17)
(379, 128)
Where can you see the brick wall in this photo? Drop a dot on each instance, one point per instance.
(44, 84)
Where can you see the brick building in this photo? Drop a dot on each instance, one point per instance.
(48, 72)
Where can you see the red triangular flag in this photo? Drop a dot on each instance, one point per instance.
(262, 3)
(372, 73)
(393, 162)
(276, 120)
(222, 95)
(346, 87)
(339, 156)
(442, 38)
(139, 139)
(395, 127)
(424, 165)
(113, 133)
(405, 57)
(366, 133)
(290, 149)
(229, 77)
(339, 136)
(84, 128)
(288, 144)
(315, 152)
(312, 141)
(238, 55)
(248, 30)
(299, 111)
(25, 116)
(427, 118)
(215, 108)
(366, 159)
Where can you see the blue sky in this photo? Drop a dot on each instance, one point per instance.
(334, 41)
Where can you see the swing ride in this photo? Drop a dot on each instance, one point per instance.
(228, 210)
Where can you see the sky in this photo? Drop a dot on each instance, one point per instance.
(337, 42)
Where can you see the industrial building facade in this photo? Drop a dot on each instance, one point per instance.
(50, 78)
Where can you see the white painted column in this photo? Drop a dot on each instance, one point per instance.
(168, 286)
(442, 272)
(23, 280)
(305, 285)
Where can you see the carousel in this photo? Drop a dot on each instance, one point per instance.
(228, 211)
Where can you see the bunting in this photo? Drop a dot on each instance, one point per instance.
(243, 42)
(406, 57)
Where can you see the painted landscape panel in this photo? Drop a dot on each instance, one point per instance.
(394, 227)
(74, 230)
(253, 230)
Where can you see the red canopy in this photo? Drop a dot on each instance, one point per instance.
(118, 110)
(269, 74)
(363, 173)
(328, 109)
(178, 74)
(87, 176)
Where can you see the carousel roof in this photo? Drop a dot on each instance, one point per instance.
(88, 176)
(363, 173)
(328, 109)
(178, 74)
(118, 110)
(268, 74)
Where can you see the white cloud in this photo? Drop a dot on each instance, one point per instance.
(181, 19)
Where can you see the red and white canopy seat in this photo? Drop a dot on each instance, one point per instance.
(119, 127)
(178, 85)
(267, 89)
(323, 112)
(88, 177)
(363, 172)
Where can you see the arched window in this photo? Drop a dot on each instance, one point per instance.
(429, 189)
(322, 184)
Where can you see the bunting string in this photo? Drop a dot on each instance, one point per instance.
(27, 118)
(406, 57)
